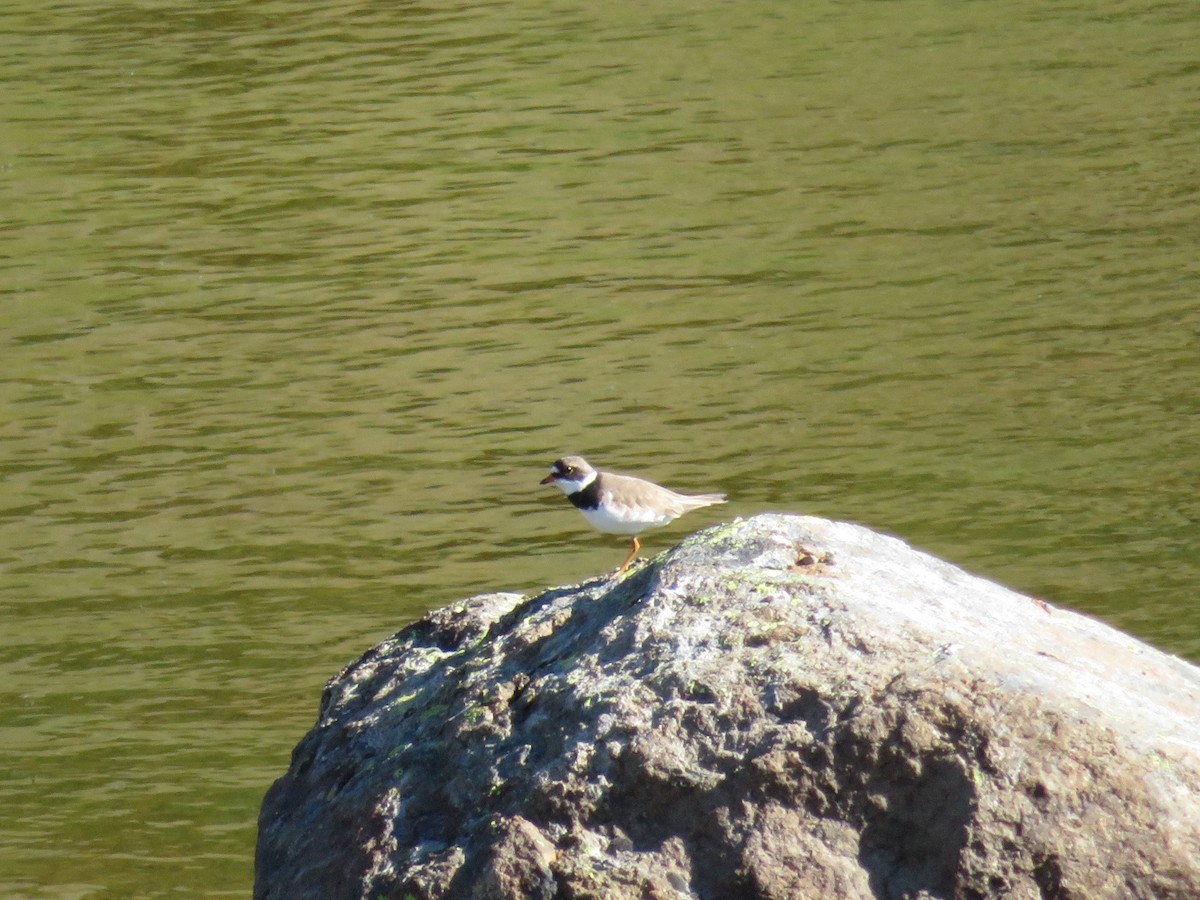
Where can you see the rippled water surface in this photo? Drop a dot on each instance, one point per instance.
(299, 304)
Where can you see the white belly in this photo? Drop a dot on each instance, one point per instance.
(625, 519)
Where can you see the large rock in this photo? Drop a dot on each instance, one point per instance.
(782, 708)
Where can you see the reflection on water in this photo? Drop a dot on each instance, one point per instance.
(301, 304)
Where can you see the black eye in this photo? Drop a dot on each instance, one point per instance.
(569, 471)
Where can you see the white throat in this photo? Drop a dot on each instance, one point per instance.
(567, 486)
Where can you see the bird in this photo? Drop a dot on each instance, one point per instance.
(621, 504)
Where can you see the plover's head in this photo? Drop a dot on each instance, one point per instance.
(570, 474)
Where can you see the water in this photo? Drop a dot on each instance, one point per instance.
(300, 304)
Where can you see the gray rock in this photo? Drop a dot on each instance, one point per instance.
(782, 708)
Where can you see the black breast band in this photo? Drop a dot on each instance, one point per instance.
(588, 497)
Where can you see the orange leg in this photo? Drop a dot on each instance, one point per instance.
(632, 553)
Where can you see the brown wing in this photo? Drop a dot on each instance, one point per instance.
(639, 492)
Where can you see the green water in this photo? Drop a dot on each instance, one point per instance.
(299, 304)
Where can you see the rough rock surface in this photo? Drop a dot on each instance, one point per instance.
(782, 708)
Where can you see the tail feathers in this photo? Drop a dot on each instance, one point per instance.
(695, 501)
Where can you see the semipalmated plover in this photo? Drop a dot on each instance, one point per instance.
(621, 504)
